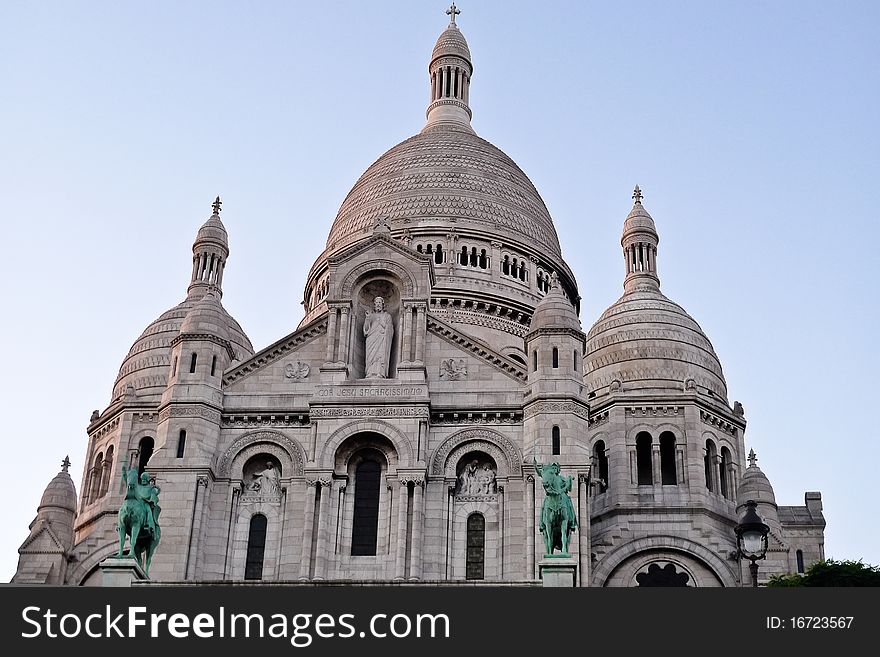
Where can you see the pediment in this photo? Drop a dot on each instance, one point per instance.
(281, 353)
(42, 541)
(469, 349)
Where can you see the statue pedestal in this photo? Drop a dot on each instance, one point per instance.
(558, 570)
(121, 572)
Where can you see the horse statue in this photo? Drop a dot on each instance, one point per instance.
(139, 517)
(558, 519)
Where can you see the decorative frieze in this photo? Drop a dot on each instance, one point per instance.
(557, 407)
(369, 411)
(190, 410)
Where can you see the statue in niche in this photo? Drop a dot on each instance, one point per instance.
(475, 480)
(266, 481)
(487, 480)
(378, 331)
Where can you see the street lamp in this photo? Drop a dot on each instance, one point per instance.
(751, 538)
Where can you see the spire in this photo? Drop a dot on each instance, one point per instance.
(450, 73)
(210, 251)
(639, 242)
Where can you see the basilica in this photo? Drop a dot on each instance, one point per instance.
(397, 434)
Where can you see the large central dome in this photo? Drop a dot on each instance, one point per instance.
(446, 173)
(451, 194)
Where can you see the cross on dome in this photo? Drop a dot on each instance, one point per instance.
(216, 206)
(637, 195)
(452, 12)
(753, 460)
(65, 464)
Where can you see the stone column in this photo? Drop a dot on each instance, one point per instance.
(530, 526)
(415, 567)
(421, 328)
(344, 334)
(716, 475)
(655, 464)
(324, 527)
(305, 562)
(331, 337)
(406, 331)
(233, 499)
(400, 557)
(584, 529)
(196, 529)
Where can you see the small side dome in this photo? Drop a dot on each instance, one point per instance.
(60, 493)
(207, 317)
(754, 485)
(555, 310)
(638, 221)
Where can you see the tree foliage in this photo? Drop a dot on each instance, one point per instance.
(832, 573)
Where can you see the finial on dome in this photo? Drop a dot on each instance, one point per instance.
(452, 12)
(65, 464)
(554, 280)
(753, 460)
(216, 206)
(637, 195)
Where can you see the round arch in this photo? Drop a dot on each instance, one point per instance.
(611, 561)
(283, 447)
(497, 445)
(403, 446)
(403, 276)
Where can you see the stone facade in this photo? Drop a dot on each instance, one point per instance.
(289, 464)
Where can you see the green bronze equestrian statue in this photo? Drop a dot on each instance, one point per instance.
(139, 517)
(558, 519)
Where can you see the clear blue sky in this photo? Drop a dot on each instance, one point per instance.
(750, 126)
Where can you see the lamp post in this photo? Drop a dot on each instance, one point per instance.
(751, 538)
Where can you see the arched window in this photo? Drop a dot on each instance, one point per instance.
(174, 367)
(668, 475)
(645, 470)
(535, 360)
(800, 561)
(365, 528)
(463, 258)
(181, 443)
(145, 451)
(505, 266)
(574, 361)
(256, 547)
(601, 465)
(723, 468)
(555, 358)
(709, 463)
(213, 364)
(97, 475)
(419, 248)
(556, 442)
(476, 546)
(192, 363)
(484, 259)
(438, 254)
(108, 471)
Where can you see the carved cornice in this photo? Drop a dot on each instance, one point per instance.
(105, 428)
(415, 479)
(598, 418)
(278, 350)
(476, 417)
(266, 420)
(204, 337)
(548, 407)
(654, 411)
(717, 422)
(478, 349)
